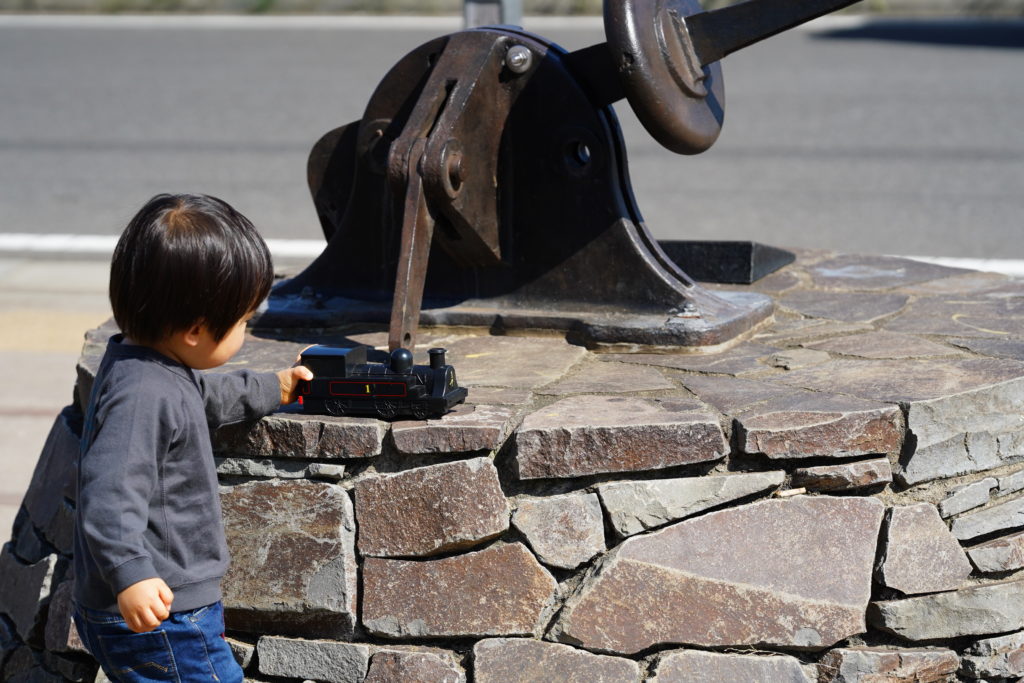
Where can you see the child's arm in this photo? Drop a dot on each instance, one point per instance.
(246, 395)
(145, 604)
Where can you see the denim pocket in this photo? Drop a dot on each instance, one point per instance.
(139, 656)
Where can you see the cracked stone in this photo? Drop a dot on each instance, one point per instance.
(297, 435)
(738, 360)
(847, 476)
(919, 555)
(293, 565)
(64, 668)
(277, 469)
(696, 666)
(22, 667)
(909, 381)
(564, 531)
(498, 396)
(513, 362)
(799, 332)
(409, 666)
(971, 281)
(1011, 483)
(8, 640)
(605, 377)
(321, 660)
(877, 664)
(520, 660)
(1001, 517)
(27, 543)
(791, 359)
(635, 506)
(967, 497)
(986, 315)
(851, 307)
(429, 510)
(501, 590)
(1000, 555)
(733, 395)
(61, 634)
(465, 429)
(883, 345)
(975, 610)
(54, 482)
(781, 421)
(963, 413)
(999, 658)
(870, 273)
(758, 574)
(23, 590)
(586, 435)
(242, 651)
(820, 426)
(997, 348)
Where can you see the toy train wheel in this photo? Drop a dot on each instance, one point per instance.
(387, 409)
(335, 407)
(419, 411)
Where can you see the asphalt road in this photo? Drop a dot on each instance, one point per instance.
(879, 136)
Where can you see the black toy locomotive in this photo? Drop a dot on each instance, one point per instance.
(365, 381)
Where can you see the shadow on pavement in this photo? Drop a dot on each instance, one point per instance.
(994, 33)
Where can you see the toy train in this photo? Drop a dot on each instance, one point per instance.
(365, 381)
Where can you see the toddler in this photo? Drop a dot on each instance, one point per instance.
(149, 554)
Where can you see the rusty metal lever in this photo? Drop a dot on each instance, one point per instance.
(417, 234)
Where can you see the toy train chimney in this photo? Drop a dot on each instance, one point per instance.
(437, 359)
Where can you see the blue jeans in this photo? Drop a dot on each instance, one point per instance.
(187, 647)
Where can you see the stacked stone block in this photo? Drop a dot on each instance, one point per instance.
(837, 497)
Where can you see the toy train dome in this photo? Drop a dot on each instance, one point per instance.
(367, 382)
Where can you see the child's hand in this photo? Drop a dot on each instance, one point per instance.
(290, 380)
(145, 604)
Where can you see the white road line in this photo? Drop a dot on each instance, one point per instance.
(438, 23)
(1011, 267)
(99, 245)
(91, 245)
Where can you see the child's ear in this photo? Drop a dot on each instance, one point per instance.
(192, 335)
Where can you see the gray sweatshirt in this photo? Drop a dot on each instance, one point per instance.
(148, 502)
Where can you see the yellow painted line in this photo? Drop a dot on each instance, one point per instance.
(22, 330)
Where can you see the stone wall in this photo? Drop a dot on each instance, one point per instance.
(839, 497)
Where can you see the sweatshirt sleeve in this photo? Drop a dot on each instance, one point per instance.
(118, 479)
(238, 396)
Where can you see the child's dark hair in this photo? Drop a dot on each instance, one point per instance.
(187, 259)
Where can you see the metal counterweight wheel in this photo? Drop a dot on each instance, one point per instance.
(419, 411)
(335, 407)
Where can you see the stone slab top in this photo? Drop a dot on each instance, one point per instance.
(854, 340)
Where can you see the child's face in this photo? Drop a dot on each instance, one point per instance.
(196, 347)
(215, 353)
(211, 354)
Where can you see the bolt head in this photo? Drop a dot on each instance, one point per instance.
(519, 59)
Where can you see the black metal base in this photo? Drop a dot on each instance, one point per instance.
(570, 251)
(722, 317)
(726, 262)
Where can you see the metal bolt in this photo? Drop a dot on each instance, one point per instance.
(519, 59)
(689, 310)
